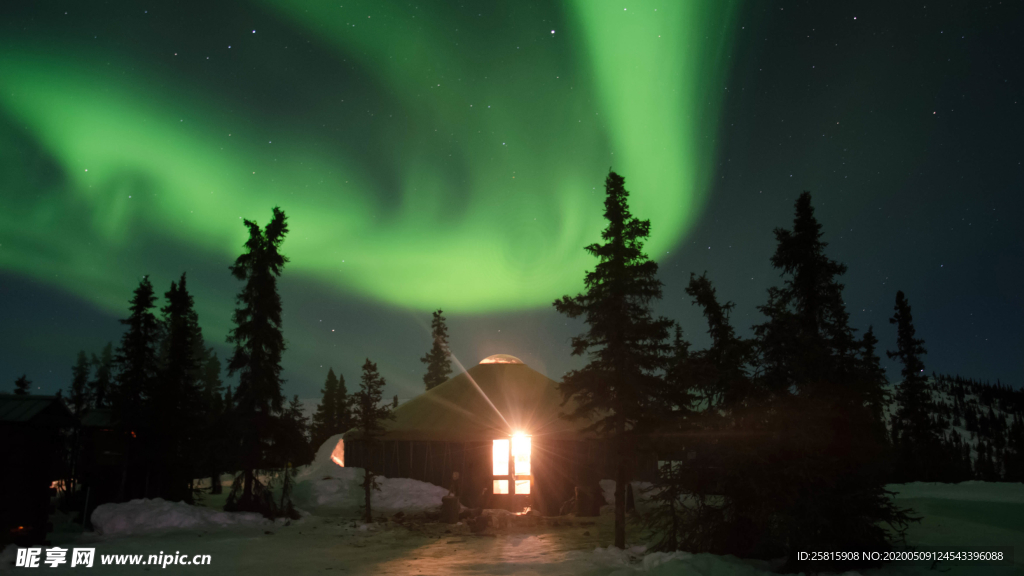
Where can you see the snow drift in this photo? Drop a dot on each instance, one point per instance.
(970, 491)
(157, 515)
(325, 487)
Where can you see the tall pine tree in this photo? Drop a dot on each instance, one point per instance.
(137, 358)
(136, 364)
(439, 364)
(326, 420)
(78, 398)
(176, 407)
(343, 407)
(259, 344)
(214, 442)
(917, 438)
(627, 346)
(715, 417)
(102, 382)
(823, 485)
(368, 415)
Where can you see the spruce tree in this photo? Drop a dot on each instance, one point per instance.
(343, 406)
(369, 414)
(291, 443)
(176, 402)
(438, 361)
(79, 395)
(823, 488)
(726, 384)
(717, 515)
(213, 433)
(679, 392)
(627, 346)
(102, 382)
(292, 450)
(326, 422)
(136, 361)
(22, 385)
(918, 445)
(259, 344)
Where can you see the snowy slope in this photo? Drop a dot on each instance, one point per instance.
(976, 414)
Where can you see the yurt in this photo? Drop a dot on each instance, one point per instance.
(494, 435)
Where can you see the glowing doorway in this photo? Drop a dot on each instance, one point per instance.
(511, 465)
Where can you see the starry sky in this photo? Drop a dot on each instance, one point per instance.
(452, 155)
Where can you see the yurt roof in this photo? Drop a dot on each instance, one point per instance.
(496, 398)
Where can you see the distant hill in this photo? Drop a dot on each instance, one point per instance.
(983, 424)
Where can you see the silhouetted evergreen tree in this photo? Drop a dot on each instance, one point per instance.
(368, 415)
(293, 450)
(439, 365)
(78, 398)
(136, 362)
(214, 432)
(259, 344)
(823, 486)
(291, 446)
(725, 383)
(678, 393)
(102, 381)
(920, 455)
(137, 359)
(176, 407)
(22, 385)
(78, 402)
(344, 406)
(327, 420)
(627, 346)
(231, 436)
(714, 470)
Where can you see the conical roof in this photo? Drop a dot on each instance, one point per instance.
(490, 400)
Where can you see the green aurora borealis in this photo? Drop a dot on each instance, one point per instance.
(424, 159)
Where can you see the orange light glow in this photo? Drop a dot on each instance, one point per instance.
(500, 452)
(338, 455)
(522, 486)
(521, 448)
(501, 486)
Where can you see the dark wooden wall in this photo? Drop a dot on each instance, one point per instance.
(558, 466)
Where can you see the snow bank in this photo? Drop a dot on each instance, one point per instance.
(633, 561)
(155, 515)
(971, 491)
(324, 487)
(342, 492)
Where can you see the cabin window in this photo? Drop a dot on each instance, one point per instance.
(501, 458)
(511, 465)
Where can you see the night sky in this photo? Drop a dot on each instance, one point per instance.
(452, 154)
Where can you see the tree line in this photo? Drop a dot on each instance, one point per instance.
(162, 389)
(769, 445)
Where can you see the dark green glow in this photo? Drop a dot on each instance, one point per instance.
(485, 189)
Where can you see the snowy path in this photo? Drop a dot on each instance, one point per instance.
(977, 514)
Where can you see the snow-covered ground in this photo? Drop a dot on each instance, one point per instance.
(156, 515)
(333, 541)
(986, 515)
